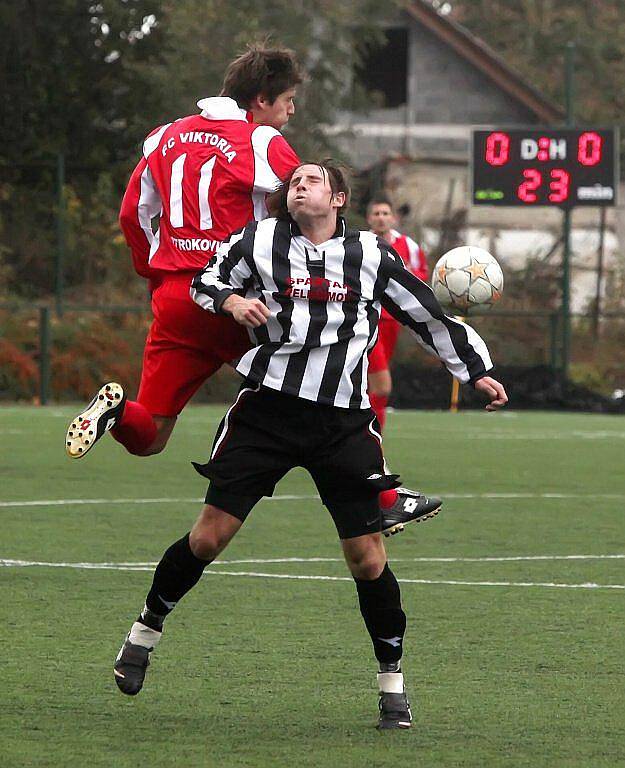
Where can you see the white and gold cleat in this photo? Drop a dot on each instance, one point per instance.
(102, 414)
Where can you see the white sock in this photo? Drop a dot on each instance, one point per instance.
(390, 682)
(142, 635)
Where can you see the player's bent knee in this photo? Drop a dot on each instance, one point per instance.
(367, 570)
(204, 543)
(212, 531)
(365, 556)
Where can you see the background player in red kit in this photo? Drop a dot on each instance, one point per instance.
(204, 176)
(381, 220)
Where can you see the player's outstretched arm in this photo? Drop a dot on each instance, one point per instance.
(494, 391)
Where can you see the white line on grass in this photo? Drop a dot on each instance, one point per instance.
(302, 577)
(19, 432)
(527, 437)
(426, 559)
(298, 497)
(279, 560)
(161, 500)
(586, 585)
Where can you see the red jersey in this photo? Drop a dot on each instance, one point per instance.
(413, 257)
(204, 176)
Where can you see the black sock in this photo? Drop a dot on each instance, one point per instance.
(151, 619)
(380, 605)
(178, 571)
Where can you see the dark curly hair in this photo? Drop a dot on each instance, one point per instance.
(261, 70)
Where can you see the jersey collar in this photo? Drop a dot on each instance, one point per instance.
(341, 228)
(222, 108)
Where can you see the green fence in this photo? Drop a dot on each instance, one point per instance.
(49, 357)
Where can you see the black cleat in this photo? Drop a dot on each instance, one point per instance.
(102, 414)
(130, 667)
(409, 507)
(394, 711)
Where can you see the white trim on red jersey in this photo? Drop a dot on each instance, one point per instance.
(265, 179)
(221, 108)
(148, 207)
(152, 141)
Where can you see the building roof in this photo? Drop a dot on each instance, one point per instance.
(476, 52)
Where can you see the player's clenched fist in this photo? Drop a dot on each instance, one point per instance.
(248, 312)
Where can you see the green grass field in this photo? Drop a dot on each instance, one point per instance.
(515, 595)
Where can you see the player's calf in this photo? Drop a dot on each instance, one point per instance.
(101, 415)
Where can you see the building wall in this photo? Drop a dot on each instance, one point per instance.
(445, 88)
(445, 92)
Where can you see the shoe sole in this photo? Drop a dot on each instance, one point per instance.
(400, 725)
(89, 426)
(399, 527)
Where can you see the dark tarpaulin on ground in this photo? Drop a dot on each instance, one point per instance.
(535, 388)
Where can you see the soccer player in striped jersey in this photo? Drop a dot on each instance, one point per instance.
(201, 177)
(382, 219)
(311, 291)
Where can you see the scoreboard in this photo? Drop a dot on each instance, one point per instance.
(562, 167)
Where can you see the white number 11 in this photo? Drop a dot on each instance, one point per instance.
(175, 195)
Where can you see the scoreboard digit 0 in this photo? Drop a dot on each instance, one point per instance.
(563, 167)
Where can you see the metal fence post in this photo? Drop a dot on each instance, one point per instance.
(569, 75)
(59, 263)
(44, 355)
(553, 341)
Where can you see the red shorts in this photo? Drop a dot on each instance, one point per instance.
(185, 346)
(380, 356)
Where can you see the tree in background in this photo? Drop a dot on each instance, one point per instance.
(532, 34)
(72, 84)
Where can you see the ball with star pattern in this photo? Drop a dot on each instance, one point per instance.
(467, 278)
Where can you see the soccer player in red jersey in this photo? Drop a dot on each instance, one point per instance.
(381, 220)
(201, 177)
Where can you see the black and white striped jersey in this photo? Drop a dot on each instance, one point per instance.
(325, 302)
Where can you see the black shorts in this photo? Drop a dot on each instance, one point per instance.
(266, 433)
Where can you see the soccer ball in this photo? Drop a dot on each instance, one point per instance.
(466, 278)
